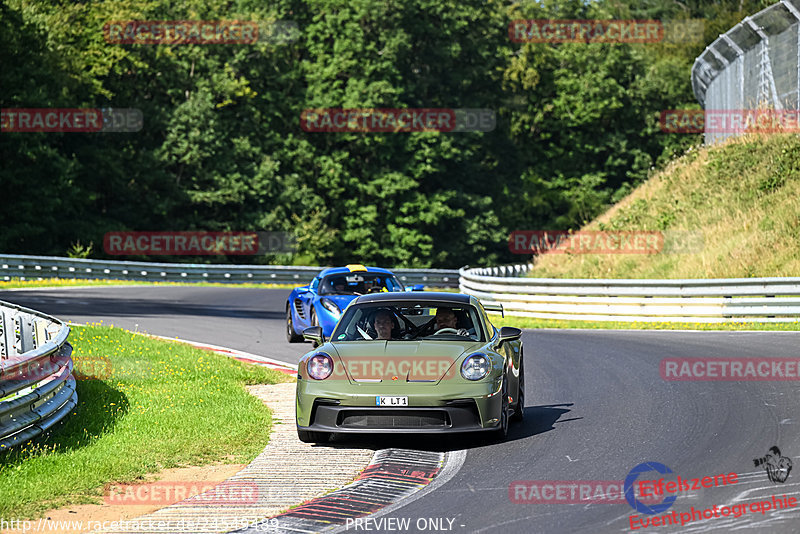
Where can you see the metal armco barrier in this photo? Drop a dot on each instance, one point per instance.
(695, 300)
(40, 267)
(37, 387)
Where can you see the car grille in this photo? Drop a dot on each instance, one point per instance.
(387, 419)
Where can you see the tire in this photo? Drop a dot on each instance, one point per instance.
(519, 409)
(502, 430)
(309, 436)
(291, 335)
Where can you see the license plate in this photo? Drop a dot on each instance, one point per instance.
(391, 401)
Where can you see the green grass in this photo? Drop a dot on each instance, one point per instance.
(16, 283)
(743, 195)
(158, 405)
(531, 322)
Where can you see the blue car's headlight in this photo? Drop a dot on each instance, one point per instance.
(477, 366)
(331, 306)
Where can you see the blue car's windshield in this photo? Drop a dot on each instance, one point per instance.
(359, 283)
(409, 322)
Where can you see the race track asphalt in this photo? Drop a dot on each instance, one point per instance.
(596, 407)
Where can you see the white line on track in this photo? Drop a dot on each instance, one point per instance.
(233, 352)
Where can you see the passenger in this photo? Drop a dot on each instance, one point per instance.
(446, 318)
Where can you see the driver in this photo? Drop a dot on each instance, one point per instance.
(373, 285)
(446, 318)
(383, 324)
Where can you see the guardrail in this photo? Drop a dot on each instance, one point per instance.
(37, 387)
(41, 267)
(694, 300)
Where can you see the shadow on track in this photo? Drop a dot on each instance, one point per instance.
(133, 307)
(538, 420)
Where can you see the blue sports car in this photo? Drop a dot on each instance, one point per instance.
(322, 302)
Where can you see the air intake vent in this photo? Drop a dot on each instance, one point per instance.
(298, 306)
(405, 419)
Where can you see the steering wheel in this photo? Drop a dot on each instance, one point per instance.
(375, 290)
(446, 331)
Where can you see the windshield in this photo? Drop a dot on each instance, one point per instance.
(409, 321)
(359, 284)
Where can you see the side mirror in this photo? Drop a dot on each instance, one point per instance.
(507, 333)
(418, 287)
(315, 335)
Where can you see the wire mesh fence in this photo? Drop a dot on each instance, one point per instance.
(755, 65)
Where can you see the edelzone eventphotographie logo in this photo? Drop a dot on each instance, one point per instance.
(639, 505)
(777, 467)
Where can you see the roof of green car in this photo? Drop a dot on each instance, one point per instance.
(414, 296)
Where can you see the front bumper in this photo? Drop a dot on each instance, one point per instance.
(432, 408)
(355, 419)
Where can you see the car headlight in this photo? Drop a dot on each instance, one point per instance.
(331, 306)
(319, 366)
(475, 367)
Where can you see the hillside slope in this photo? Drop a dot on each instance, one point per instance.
(744, 196)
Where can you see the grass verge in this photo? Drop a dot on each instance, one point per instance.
(534, 323)
(742, 196)
(144, 405)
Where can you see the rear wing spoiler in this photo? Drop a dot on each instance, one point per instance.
(493, 307)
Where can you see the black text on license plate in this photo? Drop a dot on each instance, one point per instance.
(391, 401)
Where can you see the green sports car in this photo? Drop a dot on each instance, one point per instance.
(421, 362)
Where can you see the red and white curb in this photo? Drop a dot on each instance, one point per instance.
(393, 479)
(238, 355)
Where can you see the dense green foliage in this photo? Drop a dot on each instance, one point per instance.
(222, 148)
